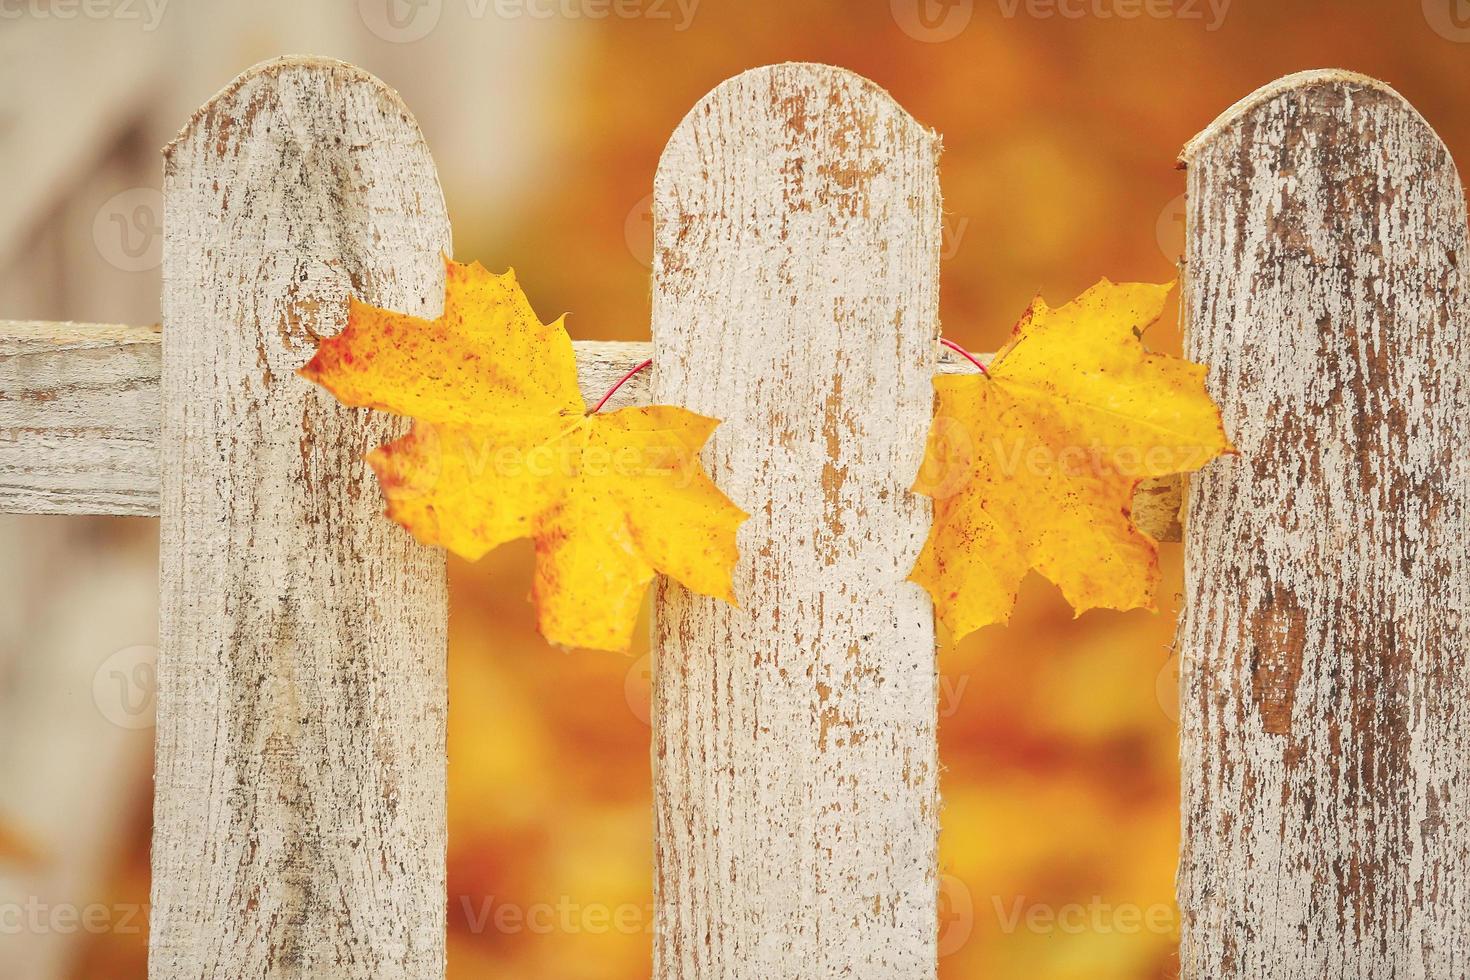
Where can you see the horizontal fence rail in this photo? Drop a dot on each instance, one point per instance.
(79, 417)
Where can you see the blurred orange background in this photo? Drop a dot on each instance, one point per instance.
(1060, 827)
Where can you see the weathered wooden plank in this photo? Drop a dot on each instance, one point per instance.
(299, 818)
(78, 418)
(1326, 700)
(796, 252)
(82, 437)
(79, 413)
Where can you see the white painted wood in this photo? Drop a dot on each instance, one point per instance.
(78, 418)
(299, 819)
(1326, 694)
(796, 261)
(79, 435)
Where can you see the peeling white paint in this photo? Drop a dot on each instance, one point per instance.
(299, 818)
(797, 240)
(1326, 700)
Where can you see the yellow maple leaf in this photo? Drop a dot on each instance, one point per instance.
(502, 447)
(1035, 465)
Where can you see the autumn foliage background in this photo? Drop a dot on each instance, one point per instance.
(1058, 735)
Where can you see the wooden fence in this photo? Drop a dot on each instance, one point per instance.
(299, 815)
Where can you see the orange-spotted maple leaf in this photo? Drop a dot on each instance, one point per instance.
(502, 447)
(1034, 465)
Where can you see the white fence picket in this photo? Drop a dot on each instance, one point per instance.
(797, 236)
(1326, 698)
(299, 822)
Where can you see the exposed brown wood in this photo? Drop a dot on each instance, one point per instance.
(796, 262)
(1326, 698)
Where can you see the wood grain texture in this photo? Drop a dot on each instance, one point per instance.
(78, 418)
(1326, 701)
(299, 819)
(796, 251)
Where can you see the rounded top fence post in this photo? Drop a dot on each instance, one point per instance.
(299, 820)
(1326, 700)
(796, 255)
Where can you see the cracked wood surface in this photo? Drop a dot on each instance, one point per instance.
(797, 233)
(299, 817)
(79, 418)
(1325, 698)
